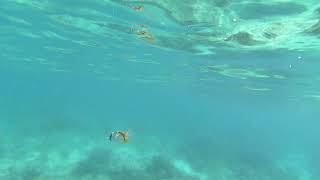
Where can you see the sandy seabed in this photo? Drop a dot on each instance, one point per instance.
(85, 158)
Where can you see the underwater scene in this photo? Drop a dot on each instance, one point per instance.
(159, 90)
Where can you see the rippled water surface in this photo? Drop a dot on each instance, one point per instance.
(206, 89)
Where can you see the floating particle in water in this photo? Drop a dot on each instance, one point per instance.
(144, 34)
(137, 7)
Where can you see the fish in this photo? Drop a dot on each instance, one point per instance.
(123, 136)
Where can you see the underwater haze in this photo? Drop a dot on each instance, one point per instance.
(205, 89)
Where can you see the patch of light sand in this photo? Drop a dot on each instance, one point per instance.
(185, 168)
(295, 164)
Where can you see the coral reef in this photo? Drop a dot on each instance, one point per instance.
(95, 164)
(100, 163)
(93, 161)
(161, 168)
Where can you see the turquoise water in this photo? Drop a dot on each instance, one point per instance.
(207, 89)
